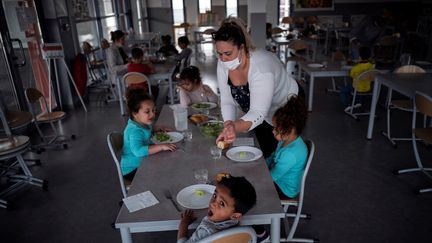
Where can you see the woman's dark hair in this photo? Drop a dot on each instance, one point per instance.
(134, 98)
(292, 115)
(192, 74)
(117, 35)
(137, 53)
(183, 40)
(166, 39)
(234, 30)
(242, 191)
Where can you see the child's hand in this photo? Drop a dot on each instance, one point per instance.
(168, 147)
(187, 217)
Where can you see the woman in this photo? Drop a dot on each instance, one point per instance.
(117, 58)
(253, 80)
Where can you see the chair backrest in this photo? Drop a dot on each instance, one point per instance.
(338, 56)
(34, 96)
(423, 104)
(135, 78)
(115, 145)
(368, 75)
(287, 20)
(311, 152)
(409, 69)
(240, 234)
(4, 122)
(276, 30)
(298, 45)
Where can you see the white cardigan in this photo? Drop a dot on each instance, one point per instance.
(270, 87)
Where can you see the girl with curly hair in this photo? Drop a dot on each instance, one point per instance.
(287, 163)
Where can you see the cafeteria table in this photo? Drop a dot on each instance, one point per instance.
(405, 83)
(173, 171)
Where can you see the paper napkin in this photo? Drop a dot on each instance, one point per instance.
(140, 201)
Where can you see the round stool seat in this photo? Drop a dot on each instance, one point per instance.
(11, 145)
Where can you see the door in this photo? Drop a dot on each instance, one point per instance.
(21, 63)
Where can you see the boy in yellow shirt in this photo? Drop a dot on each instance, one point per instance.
(362, 85)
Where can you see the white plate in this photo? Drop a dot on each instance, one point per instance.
(211, 105)
(189, 198)
(423, 63)
(315, 65)
(244, 153)
(175, 137)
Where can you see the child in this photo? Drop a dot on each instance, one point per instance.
(287, 162)
(233, 197)
(137, 65)
(362, 85)
(167, 48)
(183, 42)
(191, 88)
(137, 144)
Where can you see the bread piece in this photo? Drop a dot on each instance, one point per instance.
(223, 145)
(198, 118)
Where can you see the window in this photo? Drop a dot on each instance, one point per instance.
(108, 25)
(231, 7)
(106, 7)
(284, 9)
(178, 12)
(87, 31)
(204, 6)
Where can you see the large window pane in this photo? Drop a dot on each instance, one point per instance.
(231, 8)
(284, 9)
(87, 31)
(108, 25)
(83, 9)
(106, 7)
(178, 11)
(204, 6)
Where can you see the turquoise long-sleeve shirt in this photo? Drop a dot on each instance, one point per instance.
(287, 164)
(135, 146)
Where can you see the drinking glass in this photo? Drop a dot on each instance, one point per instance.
(201, 175)
(187, 135)
(215, 152)
(180, 119)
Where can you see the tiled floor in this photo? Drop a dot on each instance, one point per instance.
(350, 192)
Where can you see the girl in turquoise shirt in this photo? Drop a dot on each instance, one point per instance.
(287, 162)
(137, 143)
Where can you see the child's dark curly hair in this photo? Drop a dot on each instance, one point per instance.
(292, 115)
(192, 74)
(242, 191)
(134, 98)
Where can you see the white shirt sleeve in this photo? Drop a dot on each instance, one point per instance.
(261, 94)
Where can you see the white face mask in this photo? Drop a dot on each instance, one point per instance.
(233, 64)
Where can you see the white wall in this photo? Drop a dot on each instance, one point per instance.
(191, 7)
(272, 12)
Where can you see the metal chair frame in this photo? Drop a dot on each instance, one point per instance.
(115, 145)
(286, 203)
(423, 105)
(403, 105)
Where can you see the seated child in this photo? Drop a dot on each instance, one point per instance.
(137, 65)
(232, 198)
(362, 85)
(137, 144)
(167, 48)
(191, 88)
(183, 42)
(287, 162)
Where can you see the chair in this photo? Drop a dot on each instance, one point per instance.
(337, 56)
(300, 53)
(204, 38)
(11, 149)
(298, 202)
(134, 79)
(38, 106)
(423, 105)
(368, 75)
(399, 104)
(115, 145)
(386, 49)
(239, 234)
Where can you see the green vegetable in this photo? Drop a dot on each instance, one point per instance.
(211, 129)
(162, 137)
(201, 106)
(242, 154)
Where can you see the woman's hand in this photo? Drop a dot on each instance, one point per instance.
(228, 133)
